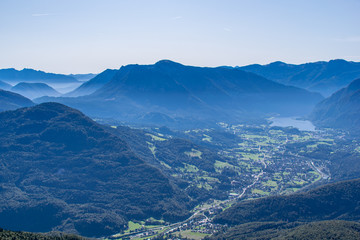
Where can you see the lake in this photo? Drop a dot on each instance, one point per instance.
(303, 125)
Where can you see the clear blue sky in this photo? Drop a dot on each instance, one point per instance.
(80, 36)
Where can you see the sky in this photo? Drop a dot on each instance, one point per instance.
(89, 36)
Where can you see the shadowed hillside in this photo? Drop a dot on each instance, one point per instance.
(62, 171)
(340, 110)
(332, 201)
(292, 231)
(11, 101)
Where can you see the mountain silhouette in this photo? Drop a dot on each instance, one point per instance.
(34, 90)
(11, 101)
(187, 92)
(323, 77)
(12, 75)
(340, 110)
(93, 84)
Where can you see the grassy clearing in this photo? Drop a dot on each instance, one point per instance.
(194, 153)
(156, 138)
(219, 164)
(189, 168)
(312, 146)
(251, 156)
(133, 226)
(300, 182)
(270, 183)
(261, 192)
(165, 165)
(152, 148)
(207, 138)
(192, 235)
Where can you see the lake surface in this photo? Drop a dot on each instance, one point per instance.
(303, 125)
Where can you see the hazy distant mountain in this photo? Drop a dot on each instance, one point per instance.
(329, 202)
(323, 77)
(60, 170)
(94, 84)
(12, 75)
(4, 85)
(340, 110)
(34, 90)
(11, 101)
(188, 92)
(83, 77)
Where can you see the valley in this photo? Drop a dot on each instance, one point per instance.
(261, 160)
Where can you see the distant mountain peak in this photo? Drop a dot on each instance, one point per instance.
(338, 60)
(278, 63)
(166, 62)
(34, 90)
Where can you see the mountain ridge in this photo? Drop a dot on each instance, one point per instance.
(10, 101)
(31, 75)
(336, 201)
(187, 92)
(324, 77)
(34, 90)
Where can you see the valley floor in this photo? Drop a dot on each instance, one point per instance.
(263, 161)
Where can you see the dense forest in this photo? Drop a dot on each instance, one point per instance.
(340, 230)
(62, 171)
(333, 201)
(11, 235)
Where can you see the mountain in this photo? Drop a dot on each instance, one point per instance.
(4, 85)
(191, 93)
(12, 75)
(329, 202)
(11, 101)
(83, 77)
(323, 77)
(62, 171)
(340, 110)
(343, 230)
(34, 90)
(93, 84)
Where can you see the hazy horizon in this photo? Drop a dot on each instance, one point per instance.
(91, 36)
